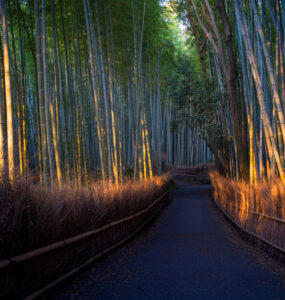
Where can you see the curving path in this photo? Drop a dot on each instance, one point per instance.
(186, 253)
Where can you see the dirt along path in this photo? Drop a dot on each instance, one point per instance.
(186, 253)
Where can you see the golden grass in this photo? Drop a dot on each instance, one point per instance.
(266, 198)
(32, 215)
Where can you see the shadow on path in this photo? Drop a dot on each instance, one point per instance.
(185, 254)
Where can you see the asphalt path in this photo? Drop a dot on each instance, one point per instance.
(186, 253)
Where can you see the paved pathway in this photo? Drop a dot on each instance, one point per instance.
(187, 253)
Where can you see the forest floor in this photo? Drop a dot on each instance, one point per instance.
(188, 252)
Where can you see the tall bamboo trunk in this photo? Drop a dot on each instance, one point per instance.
(2, 137)
(94, 90)
(9, 110)
(17, 93)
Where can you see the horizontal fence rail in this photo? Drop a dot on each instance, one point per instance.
(181, 174)
(245, 230)
(193, 174)
(255, 213)
(40, 251)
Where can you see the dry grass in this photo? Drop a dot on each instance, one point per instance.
(32, 216)
(266, 198)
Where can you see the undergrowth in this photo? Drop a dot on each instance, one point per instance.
(266, 198)
(32, 215)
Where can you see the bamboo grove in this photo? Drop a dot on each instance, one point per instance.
(84, 90)
(241, 49)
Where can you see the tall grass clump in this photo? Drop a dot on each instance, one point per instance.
(37, 217)
(264, 198)
(33, 215)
